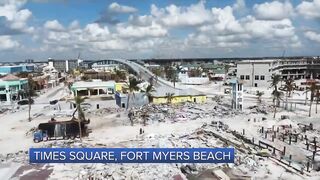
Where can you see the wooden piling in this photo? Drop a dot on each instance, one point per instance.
(313, 155)
(290, 139)
(284, 151)
(290, 159)
(274, 151)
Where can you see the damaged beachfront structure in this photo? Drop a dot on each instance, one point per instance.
(11, 88)
(95, 88)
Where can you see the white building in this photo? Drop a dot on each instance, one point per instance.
(185, 79)
(255, 73)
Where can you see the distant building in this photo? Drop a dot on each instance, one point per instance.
(12, 88)
(29, 61)
(185, 79)
(105, 65)
(64, 65)
(16, 69)
(257, 73)
(93, 88)
(236, 94)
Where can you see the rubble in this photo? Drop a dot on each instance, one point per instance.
(149, 114)
(262, 108)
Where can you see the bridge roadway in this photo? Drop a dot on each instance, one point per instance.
(145, 73)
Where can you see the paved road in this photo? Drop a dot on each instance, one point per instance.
(145, 73)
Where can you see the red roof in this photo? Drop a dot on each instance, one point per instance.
(10, 77)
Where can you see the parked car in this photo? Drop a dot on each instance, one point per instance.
(53, 102)
(25, 102)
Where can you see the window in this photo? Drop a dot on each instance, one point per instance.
(242, 77)
(247, 77)
(256, 77)
(261, 77)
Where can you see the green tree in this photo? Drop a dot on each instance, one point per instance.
(169, 97)
(132, 86)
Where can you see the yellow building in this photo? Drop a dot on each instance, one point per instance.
(118, 87)
(178, 96)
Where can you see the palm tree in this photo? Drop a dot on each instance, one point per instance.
(259, 95)
(169, 97)
(174, 79)
(277, 96)
(148, 92)
(312, 89)
(275, 79)
(289, 87)
(132, 86)
(120, 74)
(81, 117)
(317, 96)
(171, 74)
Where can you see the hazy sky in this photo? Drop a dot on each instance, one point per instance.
(40, 29)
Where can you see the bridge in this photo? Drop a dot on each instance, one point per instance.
(142, 71)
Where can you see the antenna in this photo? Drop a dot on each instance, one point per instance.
(283, 53)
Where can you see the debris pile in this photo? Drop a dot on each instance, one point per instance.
(104, 111)
(262, 109)
(151, 113)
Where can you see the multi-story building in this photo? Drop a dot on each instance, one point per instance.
(257, 73)
(64, 65)
(105, 65)
(254, 73)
